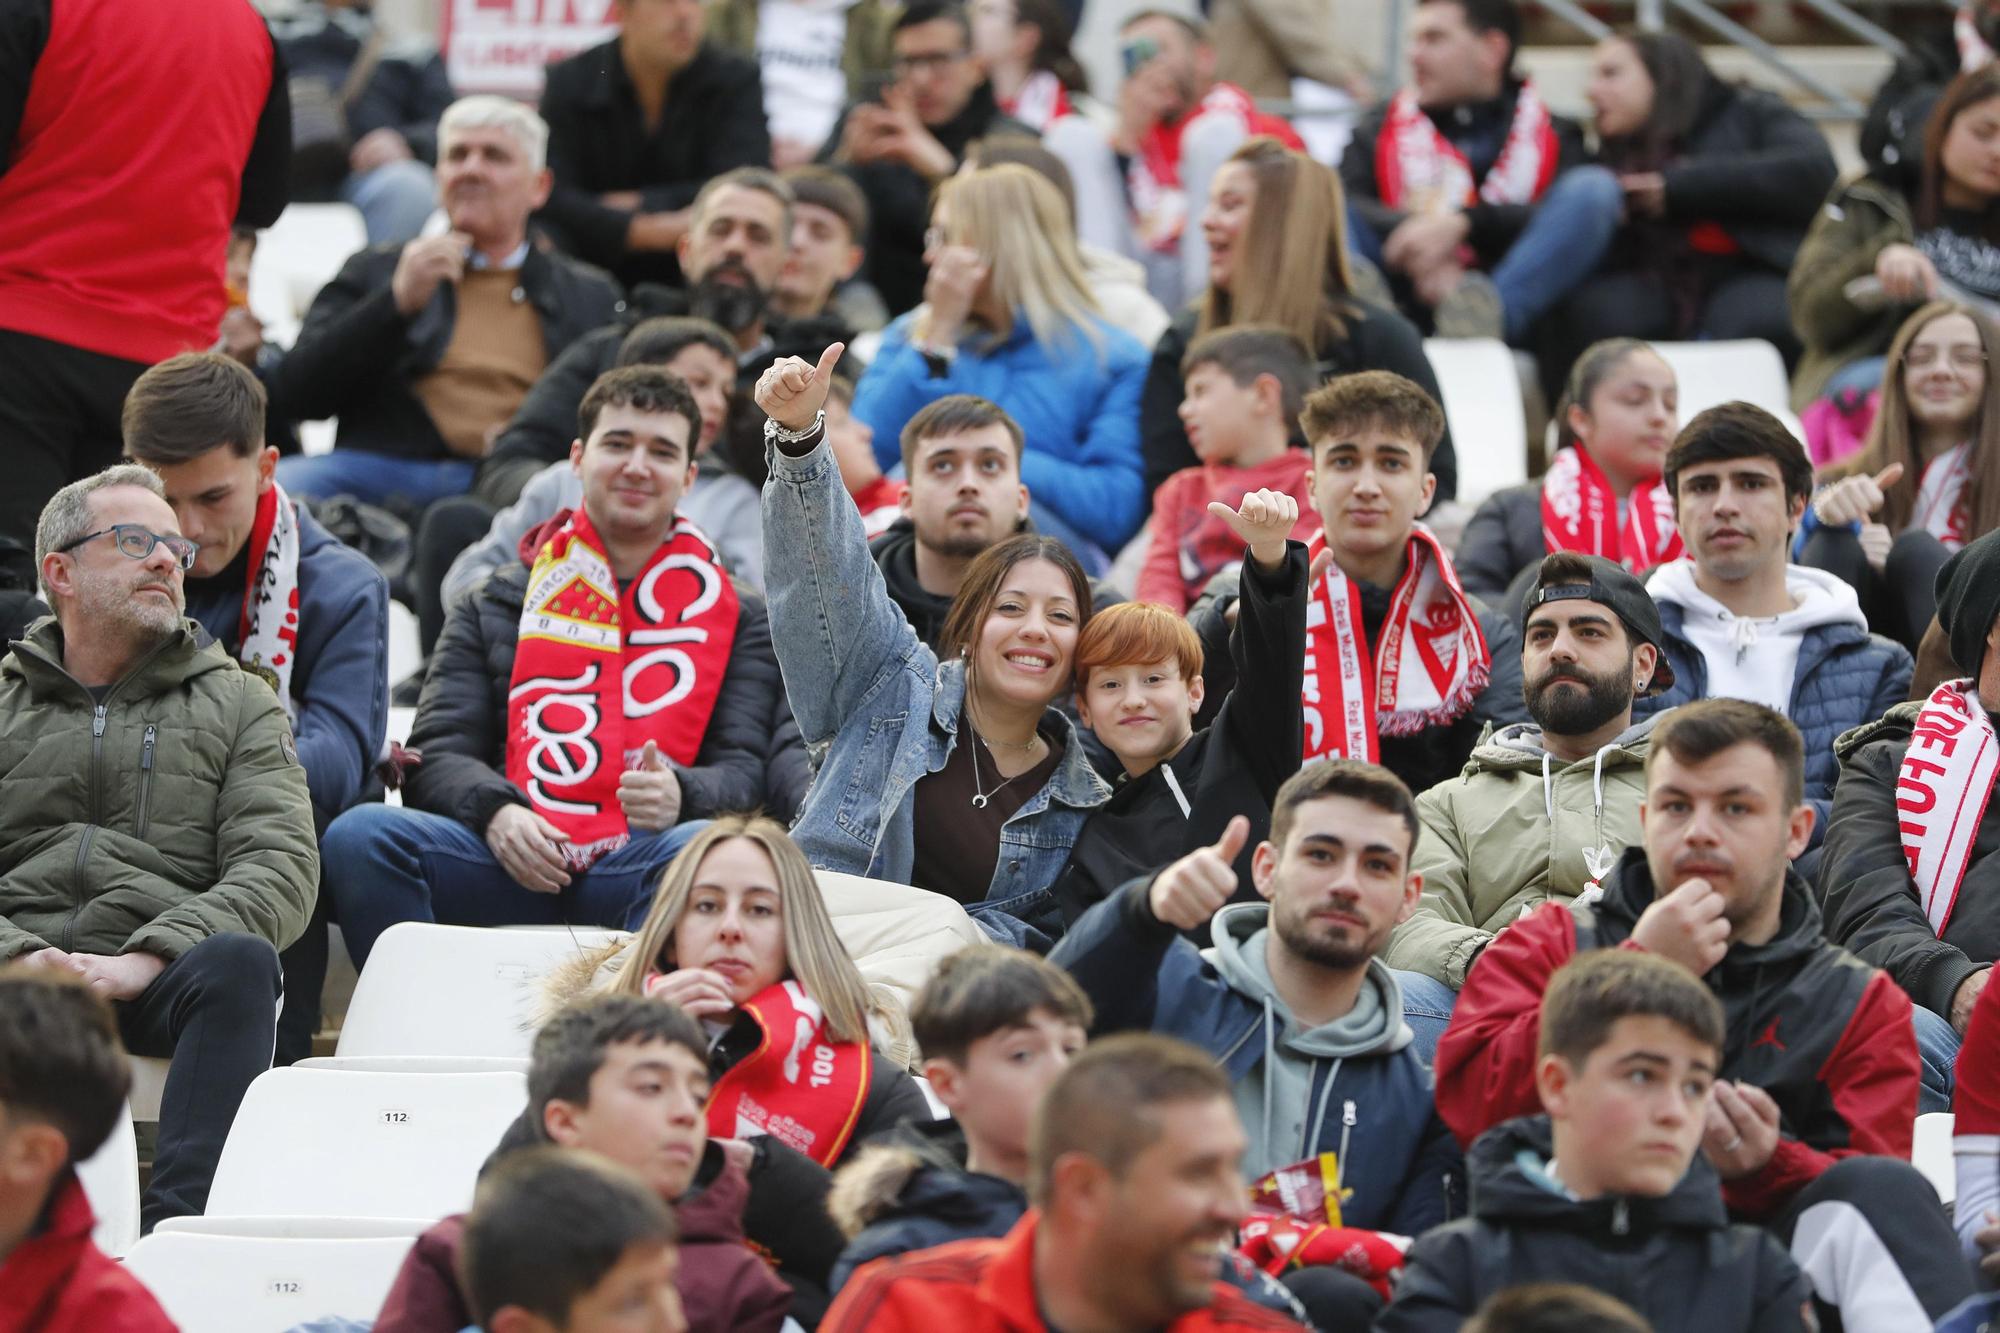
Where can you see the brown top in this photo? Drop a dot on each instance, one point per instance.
(496, 352)
(958, 829)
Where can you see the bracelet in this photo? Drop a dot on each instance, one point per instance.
(785, 435)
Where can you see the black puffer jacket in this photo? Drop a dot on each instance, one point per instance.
(1676, 1260)
(461, 724)
(1503, 537)
(357, 355)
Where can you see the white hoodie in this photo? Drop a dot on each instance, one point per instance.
(1755, 659)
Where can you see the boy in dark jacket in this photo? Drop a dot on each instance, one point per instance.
(1138, 688)
(1606, 1189)
(1820, 1056)
(624, 1078)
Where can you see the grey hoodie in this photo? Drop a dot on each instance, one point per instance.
(1273, 1101)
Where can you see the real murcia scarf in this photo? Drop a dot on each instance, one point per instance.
(1418, 170)
(1153, 179)
(1942, 501)
(1580, 513)
(267, 634)
(1942, 788)
(601, 670)
(1428, 665)
(800, 1086)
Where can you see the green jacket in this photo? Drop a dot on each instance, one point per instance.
(1863, 217)
(1502, 838)
(174, 810)
(864, 60)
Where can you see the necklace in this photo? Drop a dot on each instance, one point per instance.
(980, 795)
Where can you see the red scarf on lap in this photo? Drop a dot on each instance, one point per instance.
(601, 670)
(1429, 662)
(1580, 513)
(800, 1086)
(1418, 170)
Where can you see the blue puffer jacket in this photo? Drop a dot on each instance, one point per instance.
(1399, 1168)
(1845, 676)
(1077, 405)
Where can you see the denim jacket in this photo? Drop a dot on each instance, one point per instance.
(859, 677)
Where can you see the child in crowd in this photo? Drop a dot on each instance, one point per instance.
(1244, 387)
(1139, 688)
(995, 1025)
(566, 1242)
(1607, 1188)
(878, 497)
(63, 1079)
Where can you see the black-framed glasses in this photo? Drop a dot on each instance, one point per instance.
(137, 541)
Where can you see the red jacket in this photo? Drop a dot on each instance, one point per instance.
(1827, 1036)
(120, 182)
(988, 1286)
(59, 1282)
(1188, 545)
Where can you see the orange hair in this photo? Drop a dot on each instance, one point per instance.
(1137, 633)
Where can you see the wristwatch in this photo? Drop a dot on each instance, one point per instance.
(776, 434)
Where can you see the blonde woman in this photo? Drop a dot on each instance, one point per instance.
(1008, 316)
(739, 937)
(1277, 254)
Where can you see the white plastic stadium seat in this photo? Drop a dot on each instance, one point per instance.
(455, 990)
(1930, 1152)
(1745, 370)
(418, 1064)
(296, 256)
(110, 1179)
(297, 1228)
(149, 1084)
(343, 1143)
(262, 1284)
(1482, 402)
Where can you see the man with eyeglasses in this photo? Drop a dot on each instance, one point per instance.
(156, 834)
(900, 147)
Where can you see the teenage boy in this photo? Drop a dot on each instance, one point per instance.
(1606, 1187)
(627, 1079)
(281, 594)
(1244, 389)
(829, 239)
(995, 1026)
(1138, 688)
(563, 1242)
(594, 697)
(63, 1080)
(1543, 808)
(1741, 622)
(1402, 667)
(1820, 1061)
(1133, 1170)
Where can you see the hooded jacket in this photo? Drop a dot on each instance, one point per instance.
(1871, 901)
(1676, 1260)
(173, 810)
(1844, 676)
(1858, 221)
(1355, 1086)
(1515, 830)
(57, 1280)
(910, 1190)
(1826, 1035)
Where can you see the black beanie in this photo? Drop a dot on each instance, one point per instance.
(1968, 600)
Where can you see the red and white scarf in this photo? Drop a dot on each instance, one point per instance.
(1942, 789)
(1973, 52)
(1041, 101)
(1418, 170)
(1429, 663)
(267, 634)
(1943, 503)
(601, 670)
(1153, 180)
(800, 1086)
(881, 504)
(1580, 513)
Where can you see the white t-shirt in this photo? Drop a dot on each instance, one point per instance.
(799, 44)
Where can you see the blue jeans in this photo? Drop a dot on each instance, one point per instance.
(1937, 1057)
(384, 864)
(395, 200)
(1427, 1005)
(1567, 234)
(1861, 376)
(374, 478)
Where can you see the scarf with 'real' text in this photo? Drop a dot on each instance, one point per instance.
(1942, 788)
(601, 670)
(267, 634)
(800, 1086)
(1580, 513)
(1428, 665)
(1418, 170)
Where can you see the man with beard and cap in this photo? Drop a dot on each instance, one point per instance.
(1818, 1080)
(1544, 807)
(1914, 826)
(424, 350)
(171, 898)
(1295, 1003)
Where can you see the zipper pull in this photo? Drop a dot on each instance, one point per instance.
(1347, 1116)
(97, 724)
(146, 753)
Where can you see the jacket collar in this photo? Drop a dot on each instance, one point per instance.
(1629, 890)
(37, 661)
(1504, 1190)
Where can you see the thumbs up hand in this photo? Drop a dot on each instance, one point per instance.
(1855, 499)
(651, 793)
(792, 391)
(1262, 521)
(1188, 892)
